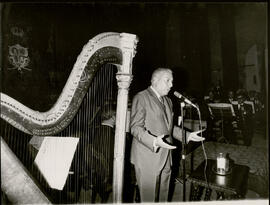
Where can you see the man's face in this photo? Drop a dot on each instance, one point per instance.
(230, 94)
(211, 95)
(164, 83)
(240, 99)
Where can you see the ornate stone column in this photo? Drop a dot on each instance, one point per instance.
(124, 78)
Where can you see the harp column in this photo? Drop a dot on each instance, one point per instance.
(124, 77)
(16, 182)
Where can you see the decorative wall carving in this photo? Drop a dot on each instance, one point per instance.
(18, 57)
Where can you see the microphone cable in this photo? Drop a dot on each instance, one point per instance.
(205, 156)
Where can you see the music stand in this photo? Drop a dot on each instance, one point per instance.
(221, 111)
(251, 104)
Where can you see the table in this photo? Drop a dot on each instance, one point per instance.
(230, 186)
(256, 157)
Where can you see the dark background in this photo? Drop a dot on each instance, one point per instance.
(175, 35)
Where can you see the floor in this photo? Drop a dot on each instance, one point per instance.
(259, 141)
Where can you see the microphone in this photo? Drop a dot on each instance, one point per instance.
(178, 95)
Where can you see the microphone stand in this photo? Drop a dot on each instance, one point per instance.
(182, 105)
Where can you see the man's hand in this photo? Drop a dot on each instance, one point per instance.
(193, 136)
(160, 143)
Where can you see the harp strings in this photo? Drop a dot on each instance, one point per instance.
(93, 160)
(17, 141)
(92, 163)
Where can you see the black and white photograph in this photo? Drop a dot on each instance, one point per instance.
(128, 102)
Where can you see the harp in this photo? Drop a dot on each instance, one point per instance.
(75, 112)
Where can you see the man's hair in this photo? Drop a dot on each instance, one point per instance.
(158, 72)
(107, 112)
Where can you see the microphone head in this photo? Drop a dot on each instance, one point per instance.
(177, 94)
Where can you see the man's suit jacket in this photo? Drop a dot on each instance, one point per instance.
(246, 113)
(149, 116)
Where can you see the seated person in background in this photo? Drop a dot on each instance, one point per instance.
(99, 159)
(214, 96)
(259, 102)
(210, 98)
(251, 95)
(243, 114)
(254, 96)
(230, 97)
(98, 156)
(212, 122)
(260, 114)
(218, 93)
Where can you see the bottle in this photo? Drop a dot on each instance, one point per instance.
(222, 164)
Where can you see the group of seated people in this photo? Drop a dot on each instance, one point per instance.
(247, 110)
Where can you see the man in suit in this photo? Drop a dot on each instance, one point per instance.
(244, 117)
(152, 127)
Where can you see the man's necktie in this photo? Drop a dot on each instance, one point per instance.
(162, 100)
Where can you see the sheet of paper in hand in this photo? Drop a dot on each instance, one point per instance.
(54, 159)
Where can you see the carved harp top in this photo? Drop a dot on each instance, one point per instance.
(114, 48)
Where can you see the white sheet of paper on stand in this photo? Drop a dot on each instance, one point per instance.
(54, 159)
